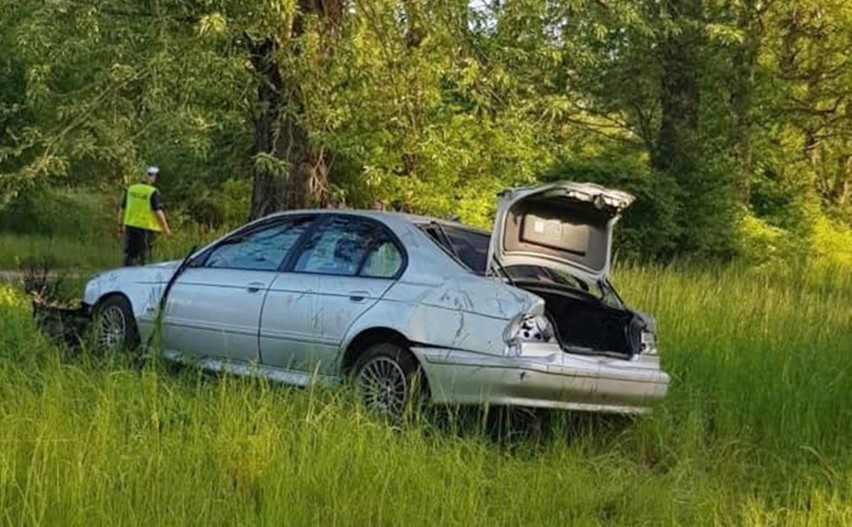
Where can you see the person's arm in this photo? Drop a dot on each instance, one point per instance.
(161, 217)
(157, 207)
(121, 213)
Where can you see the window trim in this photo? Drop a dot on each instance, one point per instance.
(289, 265)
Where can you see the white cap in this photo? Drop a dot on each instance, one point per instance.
(153, 171)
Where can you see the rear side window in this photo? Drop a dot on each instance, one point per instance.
(468, 246)
(383, 261)
(471, 247)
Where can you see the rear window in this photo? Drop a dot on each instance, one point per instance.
(468, 246)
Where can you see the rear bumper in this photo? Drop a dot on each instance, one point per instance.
(546, 379)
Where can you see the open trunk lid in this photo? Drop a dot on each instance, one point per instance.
(562, 226)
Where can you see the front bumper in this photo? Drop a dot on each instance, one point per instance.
(544, 377)
(62, 324)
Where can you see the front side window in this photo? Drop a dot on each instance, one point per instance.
(346, 246)
(263, 249)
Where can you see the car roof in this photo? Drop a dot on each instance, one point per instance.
(416, 219)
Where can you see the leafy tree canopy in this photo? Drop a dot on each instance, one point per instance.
(729, 119)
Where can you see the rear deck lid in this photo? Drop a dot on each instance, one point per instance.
(562, 226)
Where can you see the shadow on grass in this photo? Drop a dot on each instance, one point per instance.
(521, 429)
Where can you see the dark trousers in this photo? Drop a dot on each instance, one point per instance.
(137, 246)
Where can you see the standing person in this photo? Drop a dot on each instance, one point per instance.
(140, 217)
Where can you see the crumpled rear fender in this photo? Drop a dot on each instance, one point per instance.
(467, 313)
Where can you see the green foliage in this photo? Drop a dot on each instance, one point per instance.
(227, 205)
(435, 106)
(762, 243)
(651, 226)
(106, 91)
(832, 245)
(81, 214)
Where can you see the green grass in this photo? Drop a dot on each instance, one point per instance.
(19, 251)
(87, 253)
(76, 230)
(757, 430)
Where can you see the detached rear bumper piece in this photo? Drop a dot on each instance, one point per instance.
(554, 380)
(62, 324)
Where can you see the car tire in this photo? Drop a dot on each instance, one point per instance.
(115, 328)
(389, 381)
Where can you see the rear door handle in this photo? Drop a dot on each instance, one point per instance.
(254, 287)
(358, 296)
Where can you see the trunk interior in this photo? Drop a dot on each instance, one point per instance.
(584, 324)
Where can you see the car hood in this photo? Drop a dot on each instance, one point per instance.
(562, 226)
(146, 282)
(153, 273)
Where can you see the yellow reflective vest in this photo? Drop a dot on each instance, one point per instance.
(137, 208)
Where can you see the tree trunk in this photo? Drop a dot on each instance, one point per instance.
(268, 186)
(742, 94)
(679, 93)
(289, 173)
(414, 35)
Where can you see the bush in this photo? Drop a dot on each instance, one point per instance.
(83, 214)
(206, 211)
(759, 243)
(831, 244)
(227, 205)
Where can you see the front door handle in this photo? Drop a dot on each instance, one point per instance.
(254, 287)
(358, 296)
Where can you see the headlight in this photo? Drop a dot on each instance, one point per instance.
(91, 291)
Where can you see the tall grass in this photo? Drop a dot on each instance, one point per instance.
(84, 254)
(757, 430)
(77, 230)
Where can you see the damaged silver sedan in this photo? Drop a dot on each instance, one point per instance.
(522, 316)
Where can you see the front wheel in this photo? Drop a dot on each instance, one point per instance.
(115, 326)
(388, 380)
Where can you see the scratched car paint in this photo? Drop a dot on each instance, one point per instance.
(525, 315)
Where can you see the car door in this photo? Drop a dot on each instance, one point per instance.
(214, 307)
(348, 262)
(288, 322)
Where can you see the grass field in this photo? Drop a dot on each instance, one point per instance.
(757, 430)
(77, 230)
(84, 254)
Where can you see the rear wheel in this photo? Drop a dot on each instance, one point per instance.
(388, 380)
(115, 326)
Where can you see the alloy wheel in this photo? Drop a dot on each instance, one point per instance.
(112, 328)
(383, 386)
